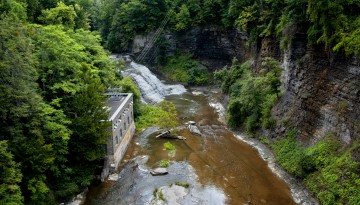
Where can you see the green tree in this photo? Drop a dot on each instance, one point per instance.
(60, 15)
(332, 22)
(131, 18)
(252, 96)
(10, 177)
(169, 119)
(13, 8)
(128, 86)
(183, 19)
(36, 131)
(74, 72)
(34, 8)
(163, 115)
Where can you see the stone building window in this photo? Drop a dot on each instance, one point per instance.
(117, 139)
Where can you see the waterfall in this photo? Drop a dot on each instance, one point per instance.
(151, 88)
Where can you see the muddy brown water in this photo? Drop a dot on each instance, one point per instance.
(219, 168)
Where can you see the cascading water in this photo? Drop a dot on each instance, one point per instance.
(151, 88)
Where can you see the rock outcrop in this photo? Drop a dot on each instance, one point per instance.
(159, 171)
(213, 47)
(322, 93)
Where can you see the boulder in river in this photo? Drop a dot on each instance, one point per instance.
(113, 177)
(172, 194)
(191, 122)
(194, 130)
(159, 171)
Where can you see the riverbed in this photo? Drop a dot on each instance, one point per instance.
(218, 166)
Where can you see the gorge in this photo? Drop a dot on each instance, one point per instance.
(218, 167)
(320, 92)
(283, 73)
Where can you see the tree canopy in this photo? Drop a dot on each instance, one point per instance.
(54, 73)
(333, 24)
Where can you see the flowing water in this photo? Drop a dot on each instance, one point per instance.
(152, 89)
(219, 168)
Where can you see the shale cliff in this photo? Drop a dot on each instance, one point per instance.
(322, 93)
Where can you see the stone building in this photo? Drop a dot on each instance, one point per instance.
(122, 122)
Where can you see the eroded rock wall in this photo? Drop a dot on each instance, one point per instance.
(213, 47)
(322, 93)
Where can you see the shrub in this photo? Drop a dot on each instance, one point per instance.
(252, 97)
(164, 116)
(164, 163)
(185, 185)
(336, 178)
(329, 170)
(169, 146)
(183, 68)
(290, 154)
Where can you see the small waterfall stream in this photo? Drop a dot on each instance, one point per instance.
(151, 88)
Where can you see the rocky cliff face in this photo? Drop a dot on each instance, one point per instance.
(214, 48)
(322, 93)
(322, 90)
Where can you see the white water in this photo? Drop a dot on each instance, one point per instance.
(151, 88)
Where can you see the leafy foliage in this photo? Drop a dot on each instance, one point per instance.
(183, 184)
(128, 18)
(328, 169)
(252, 97)
(182, 68)
(60, 15)
(164, 163)
(164, 116)
(333, 24)
(51, 95)
(291, 155)
(10, 177)
(128, 86)
(169, 146)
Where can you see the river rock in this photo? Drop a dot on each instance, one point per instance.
(181, 137)
(159, 171)
(113, 177)
(194, 130)
(79, 199)
(172, 194)
(191, 123)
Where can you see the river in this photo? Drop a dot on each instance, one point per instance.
(218, 167)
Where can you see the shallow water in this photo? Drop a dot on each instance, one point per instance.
(219, 168)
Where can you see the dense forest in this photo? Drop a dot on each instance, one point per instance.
(54, 73)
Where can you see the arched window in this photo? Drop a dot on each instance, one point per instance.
(117, 139)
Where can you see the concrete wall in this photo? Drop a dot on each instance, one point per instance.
(122, 130)
(119, 153)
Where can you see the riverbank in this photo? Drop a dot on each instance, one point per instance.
(299, 192)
